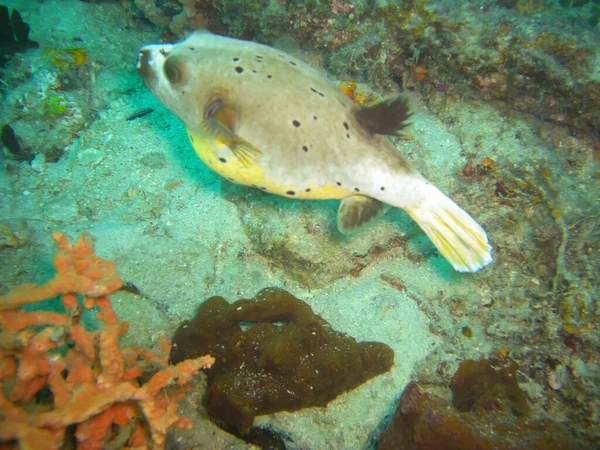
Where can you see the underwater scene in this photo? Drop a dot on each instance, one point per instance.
(310, 225)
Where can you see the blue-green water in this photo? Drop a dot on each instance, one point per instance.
(505, 93)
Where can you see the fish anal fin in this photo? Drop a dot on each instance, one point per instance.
(389, 116)
(356, 212)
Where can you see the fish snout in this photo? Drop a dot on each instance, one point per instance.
(144, 66)
(151, 61)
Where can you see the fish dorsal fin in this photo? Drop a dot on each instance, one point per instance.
(389, 116)
(218, 125)
(357, 211)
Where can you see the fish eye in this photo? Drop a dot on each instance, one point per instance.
(173, 71)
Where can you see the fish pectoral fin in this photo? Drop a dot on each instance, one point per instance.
(389, 116)
(243, 150)
(357, 211)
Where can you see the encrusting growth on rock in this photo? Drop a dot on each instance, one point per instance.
(273, 354)
(96, 389)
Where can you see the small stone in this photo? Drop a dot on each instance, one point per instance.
(90, 157)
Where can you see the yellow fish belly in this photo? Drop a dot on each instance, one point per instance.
(217, 156)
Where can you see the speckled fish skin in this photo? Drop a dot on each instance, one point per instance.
(310, 142)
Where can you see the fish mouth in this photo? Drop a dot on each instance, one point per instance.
(150, 62)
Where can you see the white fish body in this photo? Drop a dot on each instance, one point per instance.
(265, 119)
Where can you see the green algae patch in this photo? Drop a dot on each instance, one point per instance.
(273, 353)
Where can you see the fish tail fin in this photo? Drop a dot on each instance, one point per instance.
(455, 233)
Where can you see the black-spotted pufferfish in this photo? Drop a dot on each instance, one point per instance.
(267, 120)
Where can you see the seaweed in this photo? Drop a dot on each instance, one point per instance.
(14, 35)
(273, 353)
(10, 141)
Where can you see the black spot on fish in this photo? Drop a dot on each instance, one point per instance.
(236, 59)
(290, 193)
(293, 63)
(346, 126)
(192, 49)
(348, 136)
(254, 71)
(338, 183)
(305, 148)
(230, 179)
(315, 117)
(259, 58)
(269, 76)
(296, 123)
(382, 188)
(239, 69)
(262, 188)
(163, 52)
(357, 189)
(223, 160)
(317, 92)
(192, 138)
(307, 190)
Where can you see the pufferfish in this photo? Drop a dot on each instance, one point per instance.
(264, 119)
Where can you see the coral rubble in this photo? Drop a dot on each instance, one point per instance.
(273, 354)
(58, 378)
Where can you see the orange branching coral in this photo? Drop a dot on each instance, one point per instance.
(94, 384)
(78, 271)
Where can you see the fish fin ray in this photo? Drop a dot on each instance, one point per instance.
(390, 116)
(243, 150)
(456, 235)
(356, 212)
